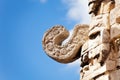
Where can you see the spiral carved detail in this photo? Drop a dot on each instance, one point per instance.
(68, 52)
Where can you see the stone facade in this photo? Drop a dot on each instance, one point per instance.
(96, 44)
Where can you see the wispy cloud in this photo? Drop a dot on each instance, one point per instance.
(43, 1)
(74, 65)
(77, 10)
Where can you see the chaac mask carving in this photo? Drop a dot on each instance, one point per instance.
(95, 44)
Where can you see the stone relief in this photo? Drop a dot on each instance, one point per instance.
(52, 43)
(97, 44)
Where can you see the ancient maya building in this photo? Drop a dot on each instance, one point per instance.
(96, 44)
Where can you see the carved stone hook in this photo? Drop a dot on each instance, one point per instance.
(69, 52)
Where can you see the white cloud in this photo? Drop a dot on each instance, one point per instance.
(70, 35)
(74, 65)
(77, 10)
(43, 1)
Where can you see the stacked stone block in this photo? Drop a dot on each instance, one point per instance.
(100, 56)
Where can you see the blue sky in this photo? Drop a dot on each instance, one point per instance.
(22, 25)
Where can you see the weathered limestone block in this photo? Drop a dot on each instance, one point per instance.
(99, 71)
(115, 15)
(117, 2)
(112, 55)
(91, 7)
(94, 43)
(106, 20)
(106, 6)
(96, 22)
(97, 47)
(86, 69)
(94, 6)
(118, 55)
(94, 65)
(103, 34)
(85, 47)
(105, 50)
(118, 62)
(100, 21)
(84, 54)
(118, 19)
(103, 77)
(115, 31)
(52, 43)
(101, 52)
(110, 65)
(95, 73)
(94, 52)
(115, 75)
(91, 67)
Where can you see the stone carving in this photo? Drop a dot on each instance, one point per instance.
(52, 43)
(98, 47)
(94, 6)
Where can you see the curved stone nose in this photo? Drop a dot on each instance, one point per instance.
(69, 52)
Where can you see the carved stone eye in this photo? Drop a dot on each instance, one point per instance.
(93, 36)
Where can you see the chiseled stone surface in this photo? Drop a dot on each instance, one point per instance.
(106, 6)
(52, 43)
(117, 2)
(115, 75)
(104, 77)
(115, 31)
(103, 44)
(97, 44)
(115, 15)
